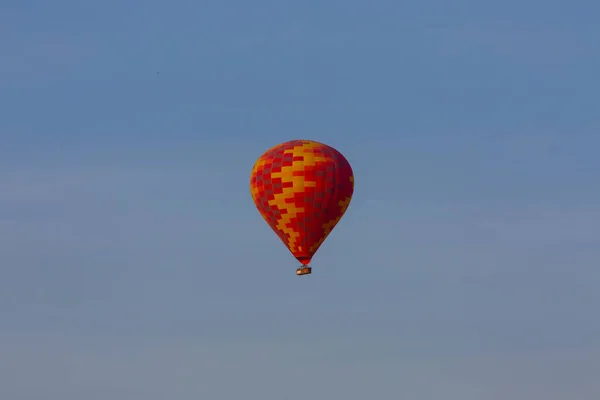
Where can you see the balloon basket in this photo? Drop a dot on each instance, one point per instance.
(304, 271)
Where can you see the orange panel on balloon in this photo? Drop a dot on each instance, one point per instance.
(302, 189)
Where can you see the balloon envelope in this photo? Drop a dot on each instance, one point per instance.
(302, 189)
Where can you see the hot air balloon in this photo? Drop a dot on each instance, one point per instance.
(302, 189)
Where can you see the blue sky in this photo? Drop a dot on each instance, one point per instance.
(135, 266)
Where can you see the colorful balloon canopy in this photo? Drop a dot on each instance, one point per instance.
(302, 189)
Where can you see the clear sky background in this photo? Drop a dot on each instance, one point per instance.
(134, 266)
